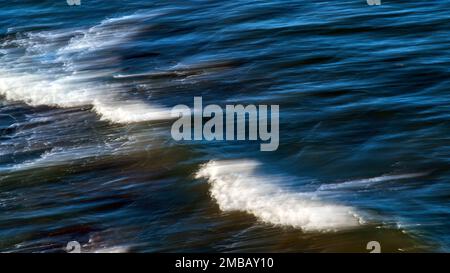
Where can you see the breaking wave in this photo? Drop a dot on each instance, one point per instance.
(237, 186)
(66, 77)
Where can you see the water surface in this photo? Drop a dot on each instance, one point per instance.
(86, 152)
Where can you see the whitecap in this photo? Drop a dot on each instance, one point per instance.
(237, 185)
(369, 181)
(67, 82)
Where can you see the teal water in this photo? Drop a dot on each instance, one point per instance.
(86, 152)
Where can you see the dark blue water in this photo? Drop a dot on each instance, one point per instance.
(86, 152)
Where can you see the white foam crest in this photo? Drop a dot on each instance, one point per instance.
(67, 87)
(236, 186)
(73, 91)
(36, 90)
(369, 181)
(129, 111)
(109, 32)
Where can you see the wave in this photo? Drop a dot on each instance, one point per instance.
(237, 186)
(109, 32)
(63, 76)
(35, 90)
(369, 181)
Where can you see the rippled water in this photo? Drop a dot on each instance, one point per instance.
(86, 152)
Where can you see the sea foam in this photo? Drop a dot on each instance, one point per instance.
(72, 91)
(238, 186)
(55, 71)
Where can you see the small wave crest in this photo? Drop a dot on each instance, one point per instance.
(61, 77)
(369, 181)
(36, 90)
(237, 186)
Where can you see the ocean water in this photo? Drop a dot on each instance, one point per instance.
(86, 152)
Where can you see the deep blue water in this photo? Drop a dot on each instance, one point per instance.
(86, 152)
